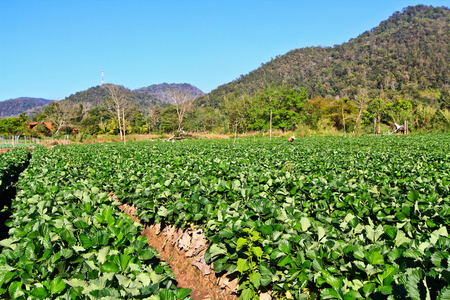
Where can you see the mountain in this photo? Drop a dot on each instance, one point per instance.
(161, 90)
(405, 54)
(93, 97)
(14, 107)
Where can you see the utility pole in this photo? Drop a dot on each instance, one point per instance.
(270, 124)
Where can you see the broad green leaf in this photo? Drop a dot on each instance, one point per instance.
(215, 250)
(182, 293)
(110, 267)
(247, 294)
(285, 260)
(375, 258)
(57, 286)
(242, 265)
(102, 253)
(39, 292)
(331, 280)
(330, 294)
(285, 246)
(255, 279)
(15, 289)
(166, 294)
(85, 241)
(305, 223)
(257, 251)
(241, 242)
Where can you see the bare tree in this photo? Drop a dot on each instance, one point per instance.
(117, 104)
(61, 113)
(183, 102)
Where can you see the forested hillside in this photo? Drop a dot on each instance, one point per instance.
(161, 90)
(404, 55)
(14, 107)
(94, 96)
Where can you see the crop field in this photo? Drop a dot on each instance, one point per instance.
(323, 217)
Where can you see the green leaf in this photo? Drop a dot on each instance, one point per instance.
(215, 250)
(57, 286)
(241, 242)
(285, 260)
(255, 279)
(266, 274)
(320, 233)
(331, 280)
(110, 267)
(247, 294)
(101, 257)
(330, 294)
(242, 265)
(15, 289)
(401, 238)
(39, 292)
(257, 251)
(413, 196)
(226, 232)
(85, 241)
(305, 223)
(375, 258)
(285, 246)
(146, 254)
(124, 260)
(166, 294)
(182, 293)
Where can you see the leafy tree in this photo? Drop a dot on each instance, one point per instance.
(285, 105)
(378, 109)
(237, 110)
(169, 119)
(156, 118)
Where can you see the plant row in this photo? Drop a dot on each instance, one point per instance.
(12, 163)
(332, 218)
(68, 241)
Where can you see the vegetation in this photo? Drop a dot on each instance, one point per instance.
(67, 241)
(403, 57)
(335, 218)
(162, 91)
(14, 107)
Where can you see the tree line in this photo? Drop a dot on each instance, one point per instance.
(277, 107)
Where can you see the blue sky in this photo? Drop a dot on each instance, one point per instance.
(52, 49)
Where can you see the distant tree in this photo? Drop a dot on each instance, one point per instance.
(61, 113)
(401, 111)
(169, 119)
(237, 110)
(377, 109)
(182, 100)
(117, 103)
(156, 118)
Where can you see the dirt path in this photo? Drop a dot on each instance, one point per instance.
(184, 252)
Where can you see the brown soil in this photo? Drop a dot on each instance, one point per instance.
(4, 150)
(188, 263)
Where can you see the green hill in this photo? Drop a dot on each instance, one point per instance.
(94, 96)
(161, 90)
(405, 54)
(14, 107)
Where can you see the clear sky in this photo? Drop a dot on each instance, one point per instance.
(52, 49)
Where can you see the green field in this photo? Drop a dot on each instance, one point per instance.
(324, 217)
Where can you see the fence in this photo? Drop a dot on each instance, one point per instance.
(11, 141)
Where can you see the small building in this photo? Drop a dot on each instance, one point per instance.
(33, 125)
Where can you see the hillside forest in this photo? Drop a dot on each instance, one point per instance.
(396, 72)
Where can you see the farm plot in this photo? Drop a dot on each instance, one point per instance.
(331, 218)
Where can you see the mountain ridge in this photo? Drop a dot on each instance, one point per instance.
(409, 50)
